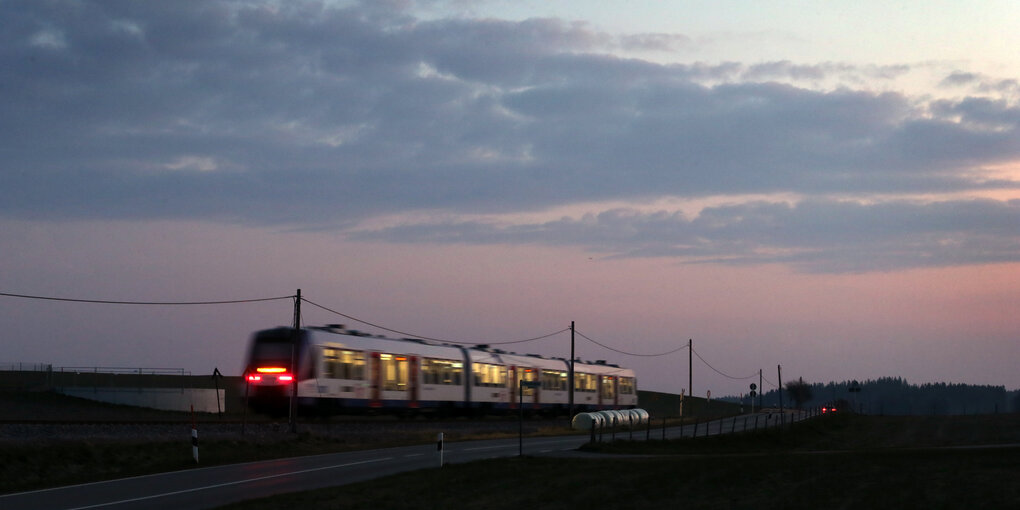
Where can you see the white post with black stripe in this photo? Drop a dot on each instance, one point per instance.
(439, 447)
(194, 436)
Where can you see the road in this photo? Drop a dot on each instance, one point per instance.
(219, 485)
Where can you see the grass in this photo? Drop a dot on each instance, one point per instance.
(51, 463)
(836, 462)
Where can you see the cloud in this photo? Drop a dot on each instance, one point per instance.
(309, 115)
(832, 236)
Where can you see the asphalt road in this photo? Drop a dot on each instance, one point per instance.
(219, 485)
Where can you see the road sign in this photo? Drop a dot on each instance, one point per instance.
(753, 393)
(754, 386)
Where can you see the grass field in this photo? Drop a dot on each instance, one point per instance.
(842, 461)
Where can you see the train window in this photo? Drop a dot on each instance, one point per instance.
(344, 364)
(271, 350)
(489, 375)
(554, 380)
(395, 370)
(627, 386)
(441, 371)
(584, 382)
(607, 387)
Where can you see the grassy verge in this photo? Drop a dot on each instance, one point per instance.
(29, 466)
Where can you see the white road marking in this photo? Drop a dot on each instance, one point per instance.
(237, 482)
(488, 448)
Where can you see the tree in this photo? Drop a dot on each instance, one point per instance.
(799, 391)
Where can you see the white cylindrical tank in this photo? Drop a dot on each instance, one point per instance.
(640, 416)
(587, 421)
(582, 421)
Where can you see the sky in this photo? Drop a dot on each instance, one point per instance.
(832, 188)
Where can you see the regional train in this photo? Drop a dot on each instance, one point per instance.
(338, 370)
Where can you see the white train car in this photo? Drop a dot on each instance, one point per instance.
(341, 370)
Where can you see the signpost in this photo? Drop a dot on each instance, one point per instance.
(520, 402)
(753, 387)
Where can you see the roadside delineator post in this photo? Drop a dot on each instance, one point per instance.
(439, 447)
(194, 436)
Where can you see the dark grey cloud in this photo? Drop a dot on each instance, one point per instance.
(982, 83)
(829, 236)
(308, 115)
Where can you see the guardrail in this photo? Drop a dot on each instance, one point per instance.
(123, 370)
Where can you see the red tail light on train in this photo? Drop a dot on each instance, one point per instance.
(280, 373)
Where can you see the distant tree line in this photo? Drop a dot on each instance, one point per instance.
(894, 396)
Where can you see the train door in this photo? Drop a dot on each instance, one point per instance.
(531, 375)
(375, 381)
(616, 391)
(412, 383)
(513, 383)
(607, 393)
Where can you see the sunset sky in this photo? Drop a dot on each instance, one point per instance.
(830, 187)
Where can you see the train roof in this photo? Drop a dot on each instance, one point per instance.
(340, 336)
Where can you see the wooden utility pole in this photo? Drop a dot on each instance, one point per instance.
(690, 374)
(761, 389)
(779, 370)
(570, 378)
(295, 335)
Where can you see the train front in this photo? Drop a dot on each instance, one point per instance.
(270, 373)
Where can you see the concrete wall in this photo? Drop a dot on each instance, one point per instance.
(156, 391)
(166, 399)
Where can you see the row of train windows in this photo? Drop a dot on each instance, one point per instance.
(347, 364)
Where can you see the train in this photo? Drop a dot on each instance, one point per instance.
(342, 371)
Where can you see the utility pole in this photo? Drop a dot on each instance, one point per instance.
(570, 379)
(293, 361)
(779, 370)
(761, 389)
(690, 372)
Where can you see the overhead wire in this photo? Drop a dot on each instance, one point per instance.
(150, 303)
(384, 328)
(709, 365)
(582, 335)
(424, 337)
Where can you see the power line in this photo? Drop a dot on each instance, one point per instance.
(582, 335)
(717, 371)
(150, 303)
(423, 337)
